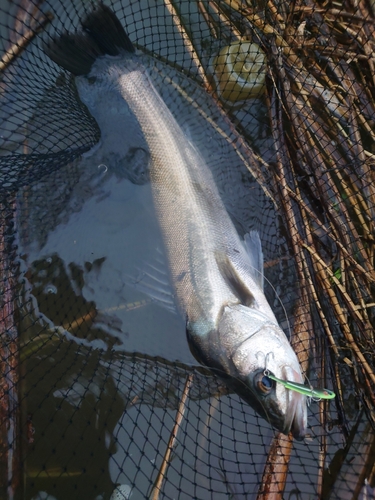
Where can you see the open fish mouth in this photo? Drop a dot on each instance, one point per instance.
(296, 423)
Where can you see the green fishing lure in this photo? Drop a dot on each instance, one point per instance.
(303, 389)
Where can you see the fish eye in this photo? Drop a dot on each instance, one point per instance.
(263, 384)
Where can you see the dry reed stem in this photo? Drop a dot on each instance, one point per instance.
(332, 277)
(275, 471)
(276, 16)
(368, 128)
(206, 16)
(87, 318)
(358, 204)
(27, 12)
(20, 45)
(214, 403)
(357, 141)
(128, 306)
(195, 59)
(300, 339)
(362, 305)
(319, 308)
(223, 18)
(172, 439)
(368, 275)
(324, 279)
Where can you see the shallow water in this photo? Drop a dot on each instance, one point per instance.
(99, 228)
(83, 246)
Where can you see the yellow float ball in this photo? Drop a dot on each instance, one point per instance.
(240, 71)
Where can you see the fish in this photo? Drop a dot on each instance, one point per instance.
(217, 276)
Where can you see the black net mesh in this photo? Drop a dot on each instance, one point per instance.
(100, 397)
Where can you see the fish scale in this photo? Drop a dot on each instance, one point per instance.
(186, 199)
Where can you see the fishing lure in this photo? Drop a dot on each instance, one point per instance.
(301, 388)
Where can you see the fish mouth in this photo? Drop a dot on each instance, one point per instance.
(296, 422)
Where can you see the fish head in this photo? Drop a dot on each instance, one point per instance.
(253, 345)
(245, 344)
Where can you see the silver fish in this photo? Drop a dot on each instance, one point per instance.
(217, 277)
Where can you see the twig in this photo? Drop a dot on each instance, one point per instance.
(211, 25)
(276, 469)
(235, 33)
(20, 45)
(179, 416)
(330, 273)
(368, 275)
(214, 402)
(77, 323)
(195, 59)
(128, 306)
(343, 323)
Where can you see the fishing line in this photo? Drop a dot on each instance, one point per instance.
(278, 298)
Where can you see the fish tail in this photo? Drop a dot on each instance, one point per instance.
(102, 33)
(103, 26)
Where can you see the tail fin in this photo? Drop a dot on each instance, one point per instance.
(102, 34)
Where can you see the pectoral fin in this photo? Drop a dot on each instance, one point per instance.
(242, 271)
(235, 279)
